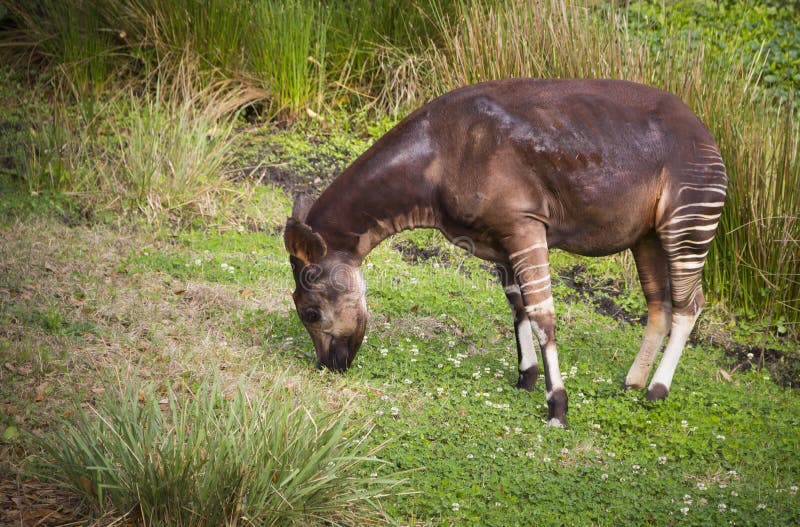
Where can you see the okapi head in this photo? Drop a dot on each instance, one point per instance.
(329, 292)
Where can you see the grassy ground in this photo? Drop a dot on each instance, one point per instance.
(89, 301)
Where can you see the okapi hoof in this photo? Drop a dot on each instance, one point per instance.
(527, 378)
(557, 423)
(557, 408)
(657, 392)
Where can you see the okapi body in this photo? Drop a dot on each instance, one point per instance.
(516, 167)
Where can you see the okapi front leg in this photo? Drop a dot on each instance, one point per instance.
(528, 255)
(526, 349)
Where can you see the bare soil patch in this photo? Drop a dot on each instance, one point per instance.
(600, 293)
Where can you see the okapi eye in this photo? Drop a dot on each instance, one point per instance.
(310, 316)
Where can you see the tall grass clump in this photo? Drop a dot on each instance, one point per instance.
(160, 146)
(755, 261)
(170, 152)
(213, 457)
(70, 38)
(289, 54)
(753, 265)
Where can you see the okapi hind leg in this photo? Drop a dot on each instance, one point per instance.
(694, 203)
(652, 266)
(528, 256)
(526, 349)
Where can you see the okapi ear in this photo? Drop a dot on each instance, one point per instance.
(302, 204)
(303, 243)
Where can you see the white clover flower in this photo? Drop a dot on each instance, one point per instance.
(604, 476)
(701, 486)
(546, 459)
(395, 411)
(722, 506)
(793, 489)
(407, 381)
(684, 423)
(635, 467)
(721, 437)
(685, 510)
(761, 506)
(463, 393)
(455, 506)
(470, 456)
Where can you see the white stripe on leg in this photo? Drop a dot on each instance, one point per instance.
(681, 328)
(526, 347)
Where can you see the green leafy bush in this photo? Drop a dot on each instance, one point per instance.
(750, 31)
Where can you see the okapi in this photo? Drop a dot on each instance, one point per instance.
(518, 167)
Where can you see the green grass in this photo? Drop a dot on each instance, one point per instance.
(438, 368)
(434, 379)
(217, 456)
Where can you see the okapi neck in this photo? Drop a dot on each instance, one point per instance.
(390, 188)
(354, 230)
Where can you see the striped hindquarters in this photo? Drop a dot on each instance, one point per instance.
(697, 195)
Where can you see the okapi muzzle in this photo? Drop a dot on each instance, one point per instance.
(511, 169)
